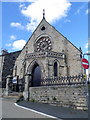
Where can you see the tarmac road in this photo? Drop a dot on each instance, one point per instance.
(9, 110)
(63, 113)
(25, 109)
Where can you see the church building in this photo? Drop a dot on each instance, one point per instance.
(46, 55)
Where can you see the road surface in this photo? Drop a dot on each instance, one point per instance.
(10, 110)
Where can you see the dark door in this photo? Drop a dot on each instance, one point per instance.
(36, 76)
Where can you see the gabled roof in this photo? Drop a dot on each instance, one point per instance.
(11, 53)
(64, 36)
(54, 29)
(34, 32)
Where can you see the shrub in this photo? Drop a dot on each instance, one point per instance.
(21, 98)
(54, 98)
(48, 98)
(32, 100)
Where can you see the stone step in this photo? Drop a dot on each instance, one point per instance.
(14, 96)
(11, 97)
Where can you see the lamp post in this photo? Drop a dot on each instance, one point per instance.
(89, 97)
(88, 87)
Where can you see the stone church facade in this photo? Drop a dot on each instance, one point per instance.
(48, 69)
(50, 52)
(47, 54)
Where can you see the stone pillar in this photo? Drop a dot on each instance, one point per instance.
(7, 84)
(26, 90)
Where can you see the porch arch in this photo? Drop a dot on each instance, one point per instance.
(35, 66)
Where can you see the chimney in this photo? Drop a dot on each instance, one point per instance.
(4, 52)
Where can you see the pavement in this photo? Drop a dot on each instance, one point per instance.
(63, 113)
(11, 111)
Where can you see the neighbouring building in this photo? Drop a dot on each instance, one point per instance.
(7, 62)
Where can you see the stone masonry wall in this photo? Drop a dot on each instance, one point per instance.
(68, 96)
(1, 61)
(6, 65)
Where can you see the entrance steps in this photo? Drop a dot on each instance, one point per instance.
(13, 96)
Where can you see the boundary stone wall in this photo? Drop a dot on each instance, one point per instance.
(74, 96)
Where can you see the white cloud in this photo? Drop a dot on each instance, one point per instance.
(19, 44)
(26, 0)
(13, 37)
(86, 46)
(21, 5)
(78, 11)
(31, 26)
(54, 9)
(80, 8)
(67, 21)
(35, 0)
(87, 51)
(17, 25)
(17, 0)
(9, 45)
(88, 43)
(87, 11)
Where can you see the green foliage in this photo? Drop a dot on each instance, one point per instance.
(17, 101)
(21, 98)
(89, 86)
(54, 98)
(48, 98)
(32, 100)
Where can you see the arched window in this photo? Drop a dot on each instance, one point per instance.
(15, 70)
(24, 67)
(55, 69)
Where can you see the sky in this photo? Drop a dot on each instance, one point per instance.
(20, 19)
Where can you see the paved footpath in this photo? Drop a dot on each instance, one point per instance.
(58, 112)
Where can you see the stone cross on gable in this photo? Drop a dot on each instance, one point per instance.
(43, 13)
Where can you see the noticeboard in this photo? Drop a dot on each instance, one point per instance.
(14, 81)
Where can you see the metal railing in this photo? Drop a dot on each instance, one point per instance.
(64, 80)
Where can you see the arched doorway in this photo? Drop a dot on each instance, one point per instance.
(36, 76)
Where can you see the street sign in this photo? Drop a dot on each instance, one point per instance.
(85, 63)
(14, 80)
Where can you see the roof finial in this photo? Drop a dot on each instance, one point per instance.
(43, 13)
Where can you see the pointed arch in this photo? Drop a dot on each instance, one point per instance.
(36, 76)
(36, 70)
(55, 69)
(56, 65)
(34, 63)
